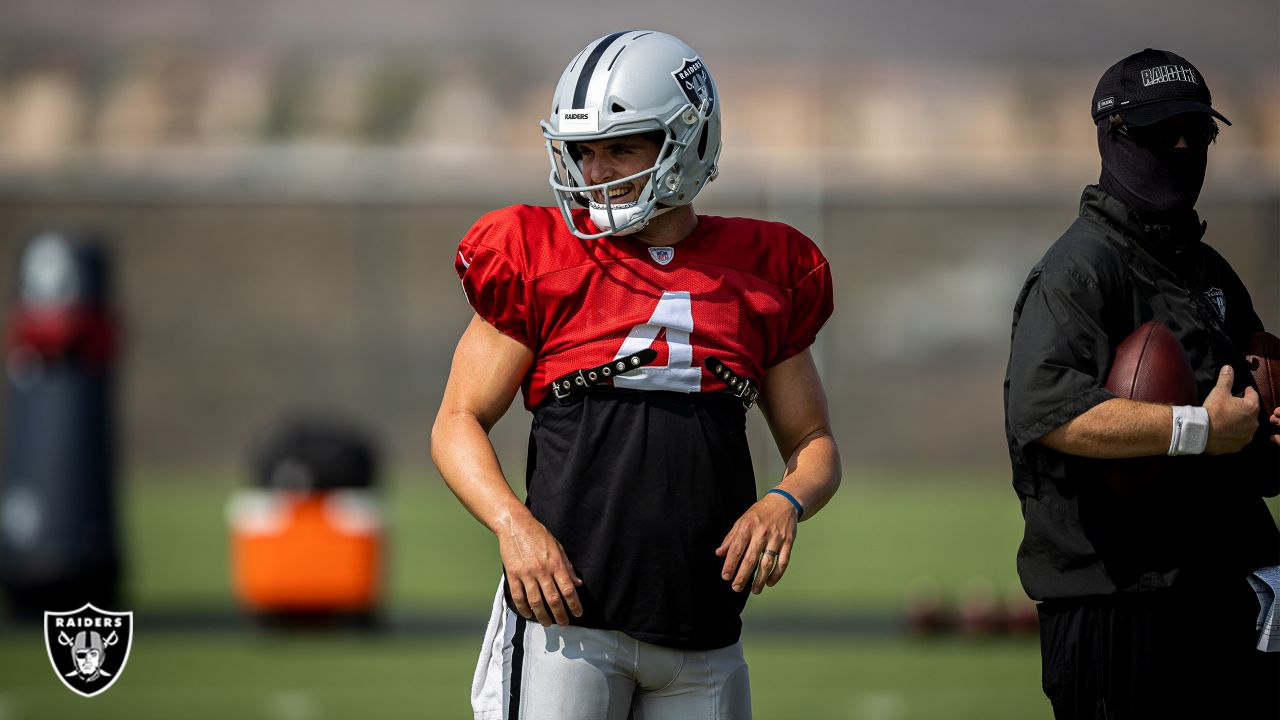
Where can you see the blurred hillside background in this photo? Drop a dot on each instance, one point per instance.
(284, 182)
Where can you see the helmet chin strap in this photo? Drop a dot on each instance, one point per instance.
(623, 214)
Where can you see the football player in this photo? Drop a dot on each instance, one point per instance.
(640, 334)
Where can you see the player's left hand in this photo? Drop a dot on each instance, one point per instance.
(760, 544)
(1275, 423)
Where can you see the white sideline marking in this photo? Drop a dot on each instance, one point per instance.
(883, 706)
(291, 705)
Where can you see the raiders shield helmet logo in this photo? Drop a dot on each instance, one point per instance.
(88, 647)
(695, 82)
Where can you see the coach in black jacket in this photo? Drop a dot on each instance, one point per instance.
(1145, 609)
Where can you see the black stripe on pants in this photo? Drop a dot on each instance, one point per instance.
(517, 668)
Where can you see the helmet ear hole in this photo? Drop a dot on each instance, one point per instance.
(617, 108)
(702, 143)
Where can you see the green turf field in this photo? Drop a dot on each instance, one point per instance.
(200, 676)
(856, 557)
(877, 536)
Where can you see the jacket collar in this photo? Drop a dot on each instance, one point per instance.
(1095, 203)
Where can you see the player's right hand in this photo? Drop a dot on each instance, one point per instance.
(1232, 420)
(542, 581)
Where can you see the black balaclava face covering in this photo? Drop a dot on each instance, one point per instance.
(1161, 185)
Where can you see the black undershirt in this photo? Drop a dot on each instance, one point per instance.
(640, 487)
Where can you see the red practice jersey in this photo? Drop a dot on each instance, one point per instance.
(640, 482)
(750, 292)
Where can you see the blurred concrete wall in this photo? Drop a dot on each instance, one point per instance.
(285, 181)
(239, 314)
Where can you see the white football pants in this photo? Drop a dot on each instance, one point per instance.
(528, 672)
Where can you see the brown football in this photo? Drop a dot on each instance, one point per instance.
(1263, 355)
(1150, 365)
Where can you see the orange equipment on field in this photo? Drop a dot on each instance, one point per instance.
(306, 551)
(309, 538)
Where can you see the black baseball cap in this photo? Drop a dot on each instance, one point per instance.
(1152, 85)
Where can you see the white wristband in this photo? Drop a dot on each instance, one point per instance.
(1190, 430)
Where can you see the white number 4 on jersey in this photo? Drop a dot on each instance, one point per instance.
(674, 314)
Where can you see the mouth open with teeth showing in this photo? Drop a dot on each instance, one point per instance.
(620, 195)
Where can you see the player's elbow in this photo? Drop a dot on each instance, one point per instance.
(835, 470)
(818, 453)
(817, 440)
(451, 423)
(439, 442)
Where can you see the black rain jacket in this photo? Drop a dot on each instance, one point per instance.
(1200, 522)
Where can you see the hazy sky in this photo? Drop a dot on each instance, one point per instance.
(1240, 33)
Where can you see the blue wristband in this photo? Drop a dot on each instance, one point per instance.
(792, 500)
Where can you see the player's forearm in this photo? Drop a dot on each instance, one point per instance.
(462, 452)
(1116, 428)
(813, 472)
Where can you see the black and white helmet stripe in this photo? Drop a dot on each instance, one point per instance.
(587, 75)
(636, 81)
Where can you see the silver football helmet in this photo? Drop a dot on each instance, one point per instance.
(637, 81)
